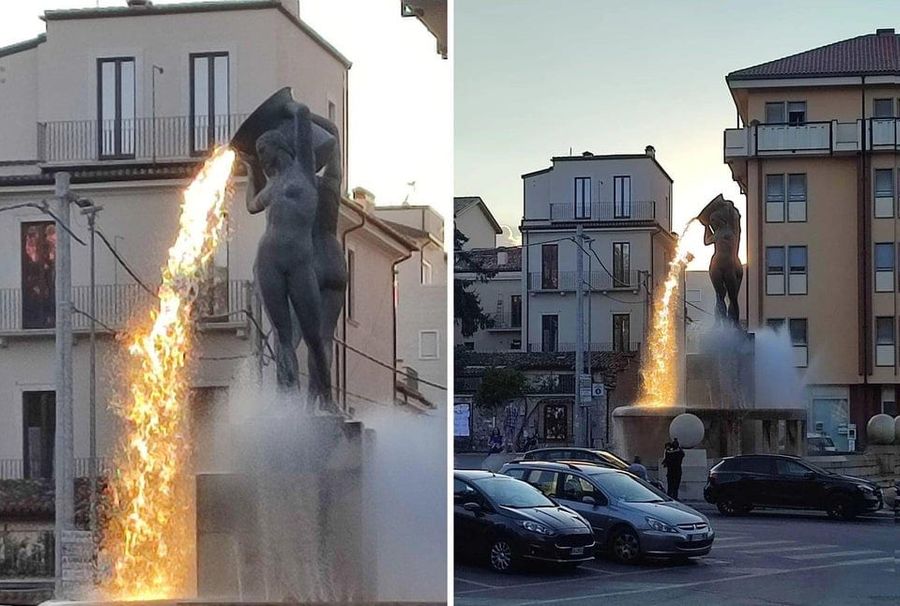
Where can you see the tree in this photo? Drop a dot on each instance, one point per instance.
(499, 386)
(467, 311)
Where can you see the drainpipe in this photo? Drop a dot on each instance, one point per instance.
(394, 297)
(344, 315)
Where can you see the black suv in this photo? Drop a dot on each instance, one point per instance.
(738, 484)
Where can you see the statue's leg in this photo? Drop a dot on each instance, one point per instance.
(273, 288)
(303, 291)
(332, 304)
(733, 286)
(718, 283)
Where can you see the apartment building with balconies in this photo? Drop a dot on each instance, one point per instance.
(623, 205)
(815, 153)
(130, 100)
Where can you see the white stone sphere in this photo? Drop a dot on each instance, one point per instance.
(897, 429)
(880, 429)
(688, 429)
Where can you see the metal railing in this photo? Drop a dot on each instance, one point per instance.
(633, 210)
(628, 347)
(15, 469)
(118, 304)
(596, 281)
(506, 320)
(161, 138)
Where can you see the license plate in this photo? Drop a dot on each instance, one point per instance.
(577, 551)
(697, 537)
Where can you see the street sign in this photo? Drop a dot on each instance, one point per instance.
(598, 390)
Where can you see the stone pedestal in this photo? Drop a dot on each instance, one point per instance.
(286, 522)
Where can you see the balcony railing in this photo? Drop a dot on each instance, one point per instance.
(596, 280)
(627, 347)
(14, 469)
(118, 304)
(812, 138)
(139, 139)
(506, 320)
(604, 211)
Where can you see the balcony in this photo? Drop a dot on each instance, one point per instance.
(164, 139)
(506, 320)
(809, 138)
(600, 281)
(118, 304)
(604, 211)
(630, 347)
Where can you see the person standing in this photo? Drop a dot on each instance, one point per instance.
(495, 442)
(637, 469)
(672, 462)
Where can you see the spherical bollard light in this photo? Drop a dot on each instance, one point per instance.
(897, 431)
(688, 429)
(880, 429)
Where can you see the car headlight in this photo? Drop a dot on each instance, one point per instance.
(537, 528)
(658, 526)
(865, 488)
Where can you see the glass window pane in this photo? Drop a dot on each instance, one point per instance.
(220, 65)
(884, 256)
(883, 108)
(108, 90)
(884, 183)
(775, 260)
(775, 113)
(884, 330)
(775, 188)
(797, 259)
(797, 187)
(797, 328)
(775, 324)
(201, 87)
(127, 87)
(797, 112)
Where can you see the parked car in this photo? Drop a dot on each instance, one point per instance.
(588, 455)
(739, 484)
(819, 445)
(506, 522)
(630, 518)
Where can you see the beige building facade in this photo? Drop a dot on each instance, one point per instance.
(87, 109)
(815, 152)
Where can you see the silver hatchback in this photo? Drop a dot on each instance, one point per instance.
(631, 518)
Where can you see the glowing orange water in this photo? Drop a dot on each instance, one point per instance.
(659, 369)
(147, 540)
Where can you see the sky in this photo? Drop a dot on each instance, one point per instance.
(400, 91)
(533, 79)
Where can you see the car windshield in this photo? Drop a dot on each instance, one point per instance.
(627, 488)
(509, 492)
(816, 468)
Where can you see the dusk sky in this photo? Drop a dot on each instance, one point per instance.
(400, 90)
(534, 79)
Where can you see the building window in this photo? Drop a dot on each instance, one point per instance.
(622, 197)
(797, 197)
(882, 108)
(884, 341)
(550, 333)
(115, 107)
(426, 272)
(209, 101)
(556, 422)
(884, 267)
(351, 284)
(774, 270)
(38, 256)
(776, 324)
(621, 264)
(429, 345)
(515, 306)
(774, 198)
(621, 332)
(469, 345)
(549, 267)
(797, 270)
(582, 198)
(693, 295)
(792, 112)
(884, 193)
(796, 112)
(39, 425)
(799, 341)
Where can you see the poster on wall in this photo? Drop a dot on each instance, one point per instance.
(39, 274)
(461, 415)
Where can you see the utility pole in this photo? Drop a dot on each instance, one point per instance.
(578, 425)
(91, 212)
(65, 456)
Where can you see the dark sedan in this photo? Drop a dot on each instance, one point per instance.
(604, 458)
(739, 484)
(506, 521)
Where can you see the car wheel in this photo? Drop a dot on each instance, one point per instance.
(625, 546)
(840, 507)
(500, 556)
(731, 506)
